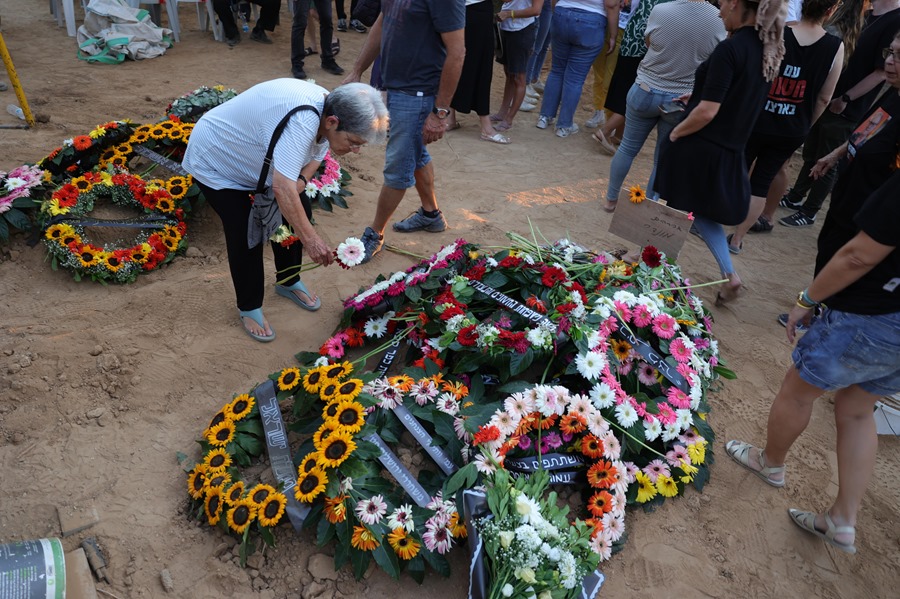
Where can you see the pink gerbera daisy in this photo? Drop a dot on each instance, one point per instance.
(678, 456)
(646, 374)
(655, 469)
(664, 326)
(680, 350)
(678, 398)
(641, 316)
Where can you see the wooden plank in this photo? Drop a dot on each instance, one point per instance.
(650, 223)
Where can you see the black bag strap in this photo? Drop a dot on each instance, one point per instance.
(267, 161)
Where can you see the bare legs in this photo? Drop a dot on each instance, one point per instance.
(390, 198)
(857, 442)
(513, 94)
(487, 127)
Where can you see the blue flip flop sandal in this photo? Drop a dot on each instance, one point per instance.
(257, 317)
(288, 292)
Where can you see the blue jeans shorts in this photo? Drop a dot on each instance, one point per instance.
(841, 349)
(406, 153)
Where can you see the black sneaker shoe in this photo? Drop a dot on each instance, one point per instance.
(258, 35)
(417, 221)
(299, 74)
(357, 26)
(330, 66)
(798, 219)
(787, 202)
(342, 25)
(372, 241)
(233, 41)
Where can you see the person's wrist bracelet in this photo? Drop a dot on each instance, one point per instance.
(806, 302)
(512, 14)
(305, 182)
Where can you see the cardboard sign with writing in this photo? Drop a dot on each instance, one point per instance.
(650, 223)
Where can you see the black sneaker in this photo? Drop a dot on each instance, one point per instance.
(798, 219)
(372, 241)
(787, 202)
(233, 41)
(357, 26)
(258, 35)
(417, 221)
(330, 66)
(342, 25)
(299, 74)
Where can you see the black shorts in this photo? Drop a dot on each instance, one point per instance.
(517, 47)
(769, 152)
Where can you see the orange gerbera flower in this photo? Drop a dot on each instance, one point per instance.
(363, 539)
(572, 424)
(592, 447)
(457, 389)
(82, 142)
(336, 509)
(548, 422)
(402, 382)
(526, 425)
(600, 503)
(602, 475)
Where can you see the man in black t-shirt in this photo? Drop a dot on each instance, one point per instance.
(422, 46)
(853, 95)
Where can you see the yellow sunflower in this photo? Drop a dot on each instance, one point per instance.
(112, 262)
(59, 231)
(165, 205)
(336, 449)
(312, 382)
(260, 493)
(217, 460)
(141, 253)
(140, 136)
(235, 492)
(124, 148)
(220, 479)
(213, 505)
(171, 244)
(308, 463)
(196, 481)
(222, 434)
(175, 134)
(349, 390)
(89, 257)
(167, 125)
(241, 515)
(403, 545)
(350, 416)
(171, 232)
(310, 485)
(177, 187)
(272, 510)
(186, 129)
(158, 132)
(118, 159)
(336, 372)
(240, 406)
(637, 195)
(621, 348)
(326, 430)
(363, 539)
(82, 184)
(457, 527)
(288, 379)
(329, 390)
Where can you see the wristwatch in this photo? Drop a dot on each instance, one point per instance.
(441, 113)
(845, 98)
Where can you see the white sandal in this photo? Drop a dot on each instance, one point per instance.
(807, 521)
(740, 453)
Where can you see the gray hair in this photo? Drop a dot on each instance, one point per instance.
(360, 111)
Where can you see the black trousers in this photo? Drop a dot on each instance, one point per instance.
(268, 15)
(339, 8)
(298, 31)
(246, 264)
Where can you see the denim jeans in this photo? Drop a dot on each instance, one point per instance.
(541, 43)
(714, 235)
(406, 153)
(641, 115)
(577, 39)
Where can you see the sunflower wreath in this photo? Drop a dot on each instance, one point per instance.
(69, 246)
(168, 138)
(82, 153)
(190, 107)
(352, 502)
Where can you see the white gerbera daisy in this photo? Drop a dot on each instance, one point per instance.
(602, 396)
(590, 365)
(626, 414)
(652, 430)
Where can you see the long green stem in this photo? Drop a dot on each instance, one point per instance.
(719, 282)
(361, 361)
(402, 252)
(295, 270)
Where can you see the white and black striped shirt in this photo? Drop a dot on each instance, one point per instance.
(228, 144)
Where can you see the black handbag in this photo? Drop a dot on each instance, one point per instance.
(265, 216)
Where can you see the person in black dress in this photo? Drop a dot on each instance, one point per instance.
(703, 169)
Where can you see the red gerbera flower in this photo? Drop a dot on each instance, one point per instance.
(486, 434)
(552, 276)
(355, 337)
(535, 304)
(450, 312)
(510, 262)
(475, 273)
(467, 337)
(82, 142)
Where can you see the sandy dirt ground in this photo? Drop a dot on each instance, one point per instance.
(101, 386)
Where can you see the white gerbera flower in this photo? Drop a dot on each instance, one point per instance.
(602, 396)
(626, 414)
(684, 419)
(652, 430)
(590, 365)
(375, 327)
(402, 517)
(351, 252)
